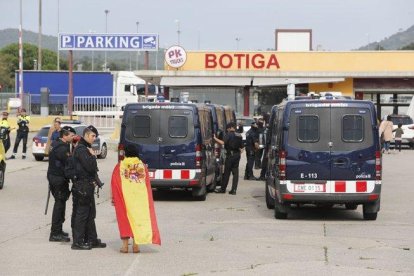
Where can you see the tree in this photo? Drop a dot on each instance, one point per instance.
(408, 47)
(10, 60)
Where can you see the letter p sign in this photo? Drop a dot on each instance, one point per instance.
(175, 56)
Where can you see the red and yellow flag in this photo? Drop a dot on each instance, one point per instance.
(134, 206)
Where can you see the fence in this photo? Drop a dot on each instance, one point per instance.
(5, 99)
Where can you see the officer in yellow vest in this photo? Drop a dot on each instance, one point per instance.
(5, 131)
(23, 121)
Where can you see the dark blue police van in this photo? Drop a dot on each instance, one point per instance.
(324, 152)
(176, 142)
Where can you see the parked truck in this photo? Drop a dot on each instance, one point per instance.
(113, 89)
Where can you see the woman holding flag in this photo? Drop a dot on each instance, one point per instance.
(134, 206)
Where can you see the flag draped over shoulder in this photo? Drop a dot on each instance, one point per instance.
(134, 206)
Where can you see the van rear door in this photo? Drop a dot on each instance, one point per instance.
(330, 141)
(142, 128)
(176, 138)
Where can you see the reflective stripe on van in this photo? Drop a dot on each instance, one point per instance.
(174, 174)
(331, 186)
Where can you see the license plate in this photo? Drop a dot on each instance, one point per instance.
(309, 188)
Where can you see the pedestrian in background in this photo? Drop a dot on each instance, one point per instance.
(385, 131)
(233, 144)
(398, 136)
(53, 135)
(58, 184)
(134, 206)
(5, 131)
(23, 121)
(259, 152)
(85, 236)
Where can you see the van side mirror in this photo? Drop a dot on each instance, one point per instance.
(123, 108)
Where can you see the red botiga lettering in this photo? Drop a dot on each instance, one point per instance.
(241, 61)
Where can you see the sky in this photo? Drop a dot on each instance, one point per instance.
(220, 25)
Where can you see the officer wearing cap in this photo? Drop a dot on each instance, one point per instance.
(233, 144)
(58, 184)
(5, 131)
(86, 171)
(252, 140)
(23, 121)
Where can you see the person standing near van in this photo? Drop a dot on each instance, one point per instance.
(53, 135)
(398, 134)
(252, 144)
(233, 143)
(5, 131)
(259, 152)
(86, 171)
(385, 130)
(23, 121)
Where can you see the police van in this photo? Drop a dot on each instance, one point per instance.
(175, 141)
(324, 152)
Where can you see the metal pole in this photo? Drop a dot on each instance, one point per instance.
(21, 55)
(106, 31)
(39, 50)
(178, 31)
(70, 100)
(137, 61)
(58, 29)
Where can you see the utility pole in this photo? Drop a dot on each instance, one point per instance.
(39, 50)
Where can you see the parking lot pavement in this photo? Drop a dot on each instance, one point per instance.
(225, 235)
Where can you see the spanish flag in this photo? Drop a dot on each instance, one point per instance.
(134, 206)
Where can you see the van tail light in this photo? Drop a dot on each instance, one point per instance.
(198, 157)
(378, 165)
(121, 152)
(282, 165)
(217, 150)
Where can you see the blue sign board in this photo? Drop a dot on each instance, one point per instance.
(108, 42)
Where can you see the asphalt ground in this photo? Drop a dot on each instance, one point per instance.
(224, 235)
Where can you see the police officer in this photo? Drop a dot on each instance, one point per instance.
(5, 131)
(23, 121)
(259, 152)
(58, 184)
(252, 140)
(86, 169)
(233, 144)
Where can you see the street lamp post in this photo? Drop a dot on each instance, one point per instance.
(106, 31)
(39, 50)
(58, 29)
(21, 54)
(237, 42)
(137, 61)
(178, 31)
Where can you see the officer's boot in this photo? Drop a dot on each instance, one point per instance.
(124, 248)
(135, 247)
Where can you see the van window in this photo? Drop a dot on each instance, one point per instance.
(177, 126)
(352, 128)
(308, 128)
(141, 126)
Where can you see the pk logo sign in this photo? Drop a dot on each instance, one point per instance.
(175, 56)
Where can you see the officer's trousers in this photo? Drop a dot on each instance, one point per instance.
(59, 188)
(6, 144)
(231, 165)
(19, 137)
(84, 229)
(249, 165)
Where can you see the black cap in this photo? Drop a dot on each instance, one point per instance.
(68, 128)
(93, 129)
(231, 125)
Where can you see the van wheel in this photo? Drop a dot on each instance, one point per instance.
(370, 216)
(280, 209)
(351, 206)
(270, 202)
(200, 193)
(104, 152)
(370, 210)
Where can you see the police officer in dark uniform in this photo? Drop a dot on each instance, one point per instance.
(252, 140)
(86, 169)
(233, 143)
(58, 184)
(259, 152)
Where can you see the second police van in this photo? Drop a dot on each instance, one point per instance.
(175, 141)
(324, 152)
